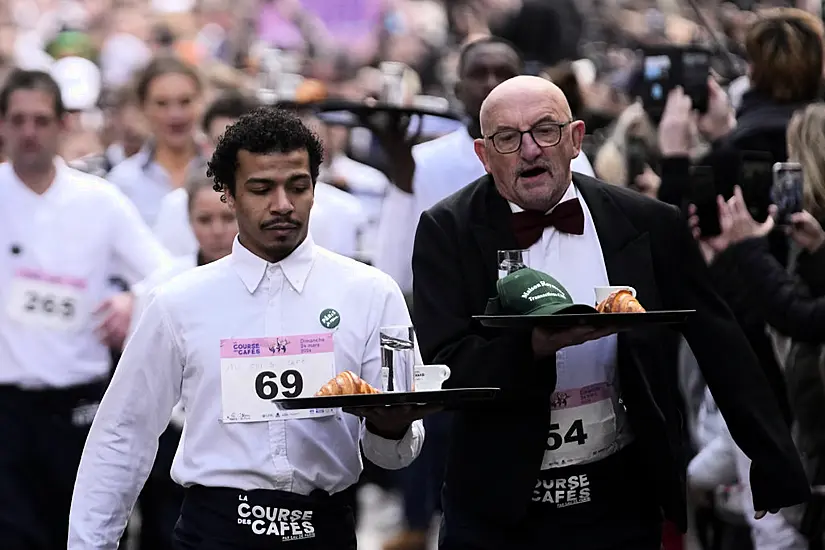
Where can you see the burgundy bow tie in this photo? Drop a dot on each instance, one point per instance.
(567, 217)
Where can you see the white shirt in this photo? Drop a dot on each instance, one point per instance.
(143, 292)
(174, 354)
(336, 222)
(75, 231)
(145, 181)
(442, 167)
(172, 227)
(577, 262)
(366, 184)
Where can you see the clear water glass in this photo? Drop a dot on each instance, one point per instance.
(510, 261)
(397, 358)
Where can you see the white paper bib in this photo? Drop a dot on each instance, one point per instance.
(45, 301)
(583, 426)
(254, 371)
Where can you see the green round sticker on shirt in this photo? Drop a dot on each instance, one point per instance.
(330, 318)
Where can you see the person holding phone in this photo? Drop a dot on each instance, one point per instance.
(765, 290)
(791, 301)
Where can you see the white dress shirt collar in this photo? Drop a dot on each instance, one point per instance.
(251, 268)
(60, 174)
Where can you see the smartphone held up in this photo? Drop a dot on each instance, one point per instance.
(666, 67)
(703, 195)
(787, 190)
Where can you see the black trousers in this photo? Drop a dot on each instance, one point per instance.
(42, 434)
(161, 498)
(421, 481)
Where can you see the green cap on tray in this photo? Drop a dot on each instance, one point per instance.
(531, 292)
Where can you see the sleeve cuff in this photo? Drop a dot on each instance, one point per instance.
(394, 454)
(812, 271)
(743, 251)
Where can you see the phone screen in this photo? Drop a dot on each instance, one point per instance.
(703, 196)
(786, 192)
(657, 71)
(695, 71)
(756, 181)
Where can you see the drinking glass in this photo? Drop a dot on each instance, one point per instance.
(510, 261)
(397, 358)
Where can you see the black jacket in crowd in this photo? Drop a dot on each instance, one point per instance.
(754, 283)
(761, 125)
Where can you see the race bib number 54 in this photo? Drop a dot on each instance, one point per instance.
(45, 301)
(583, 426)
(256, 371)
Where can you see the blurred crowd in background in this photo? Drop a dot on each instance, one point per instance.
(150, 85)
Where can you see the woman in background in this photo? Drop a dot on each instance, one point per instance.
(170, 95)
(215, 229)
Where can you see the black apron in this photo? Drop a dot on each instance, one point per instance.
(218, 518)
(601, 505)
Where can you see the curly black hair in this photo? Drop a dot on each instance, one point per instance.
(264, 130)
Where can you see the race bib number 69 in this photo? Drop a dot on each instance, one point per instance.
(256, 371)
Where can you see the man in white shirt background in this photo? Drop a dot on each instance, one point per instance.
(60, 232)
(255, 476)
(436, 170)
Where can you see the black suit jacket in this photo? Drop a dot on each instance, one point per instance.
(496, 450)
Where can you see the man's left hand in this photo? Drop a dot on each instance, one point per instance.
(392, 422)
(117, 315)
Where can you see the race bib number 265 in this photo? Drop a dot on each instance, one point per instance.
(256, 371)
(44, 301)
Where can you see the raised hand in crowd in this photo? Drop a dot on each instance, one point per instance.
(391, 131)
(681, 125)
(736, 223)
(806, 231)
(720, 118)
(678, 127)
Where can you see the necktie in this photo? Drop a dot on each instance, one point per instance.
(567, 217)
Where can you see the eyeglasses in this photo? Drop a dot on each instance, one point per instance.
(545, 134)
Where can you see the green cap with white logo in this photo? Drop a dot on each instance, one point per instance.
(531, 292)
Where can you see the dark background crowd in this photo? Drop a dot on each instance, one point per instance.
(154, 83)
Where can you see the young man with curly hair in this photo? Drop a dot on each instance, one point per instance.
(255, 476)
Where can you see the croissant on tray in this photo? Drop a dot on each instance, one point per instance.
(346, 383)
(621, 301)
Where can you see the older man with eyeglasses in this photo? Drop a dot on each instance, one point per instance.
(582, 451)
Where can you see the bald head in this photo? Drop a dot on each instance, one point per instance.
(522, 90)
(528, 139)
